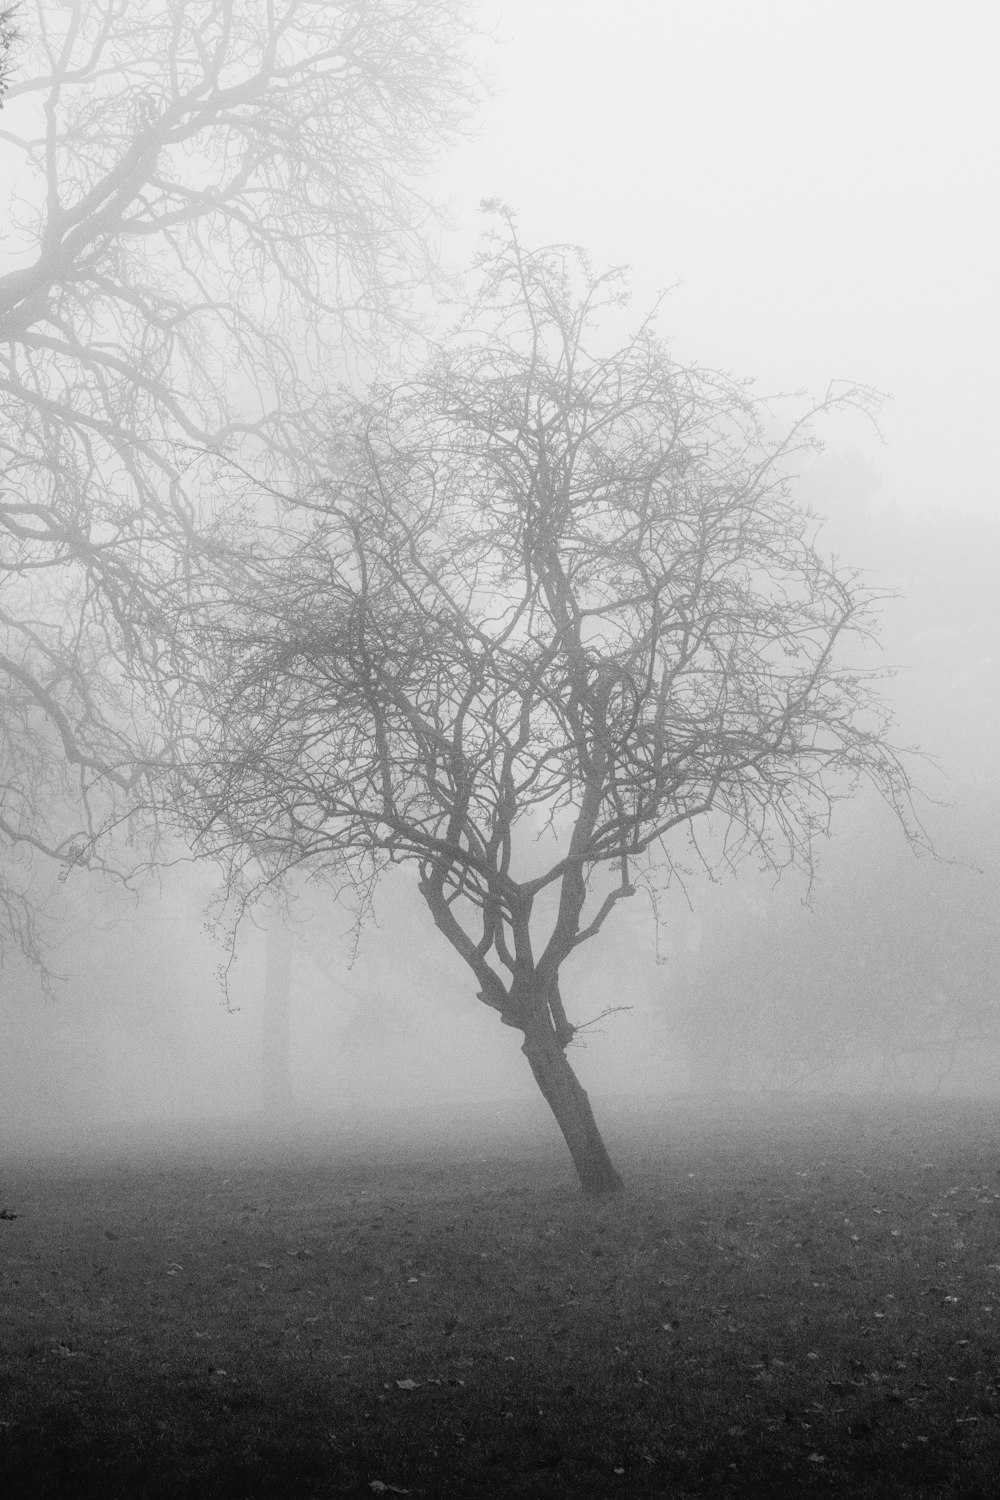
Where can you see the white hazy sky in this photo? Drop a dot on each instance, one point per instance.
(818, 182)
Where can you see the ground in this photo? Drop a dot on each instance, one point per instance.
(791, 1297)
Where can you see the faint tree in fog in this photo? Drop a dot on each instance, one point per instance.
(277, 1092)
(556, 608)
(213, 202)
(891, 977)
(8, 36)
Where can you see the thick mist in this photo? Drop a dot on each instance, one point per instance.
(499, 865)
(811, 187)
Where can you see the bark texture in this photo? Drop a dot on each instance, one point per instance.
(568, 1101)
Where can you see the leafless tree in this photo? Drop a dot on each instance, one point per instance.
(215, 205)
(556, 609)
(8, 36)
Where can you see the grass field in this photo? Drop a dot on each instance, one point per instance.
(791, 1299)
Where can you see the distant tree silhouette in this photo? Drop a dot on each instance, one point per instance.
(216, 206)
(8, 36)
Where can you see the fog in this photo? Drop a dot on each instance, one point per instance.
(812, 184)
(816, 187)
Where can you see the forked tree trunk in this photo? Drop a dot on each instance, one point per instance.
(567, 1099)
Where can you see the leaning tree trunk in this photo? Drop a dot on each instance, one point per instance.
(567, 1099)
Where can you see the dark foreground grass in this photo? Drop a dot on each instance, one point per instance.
(795, 1301)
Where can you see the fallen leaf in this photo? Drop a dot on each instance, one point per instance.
(381, 1488)
(408, 1385)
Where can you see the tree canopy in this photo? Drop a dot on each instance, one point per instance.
(8, 36)
(554, 611)
(216, 205)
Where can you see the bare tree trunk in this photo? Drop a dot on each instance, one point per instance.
(277, 1096)
(568, 1101)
